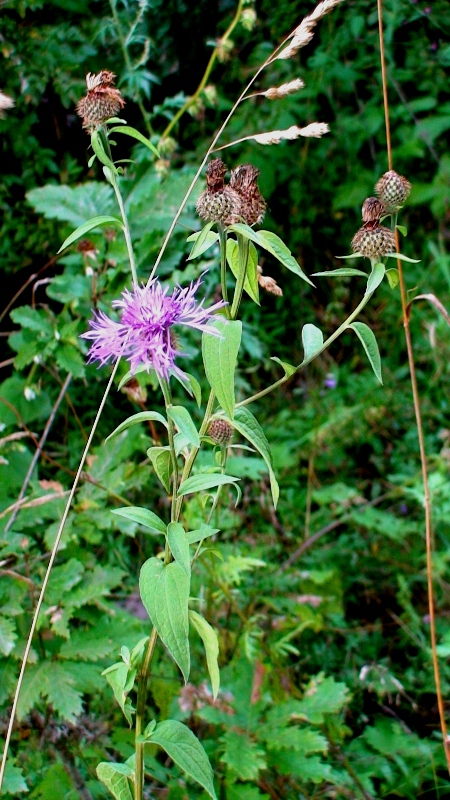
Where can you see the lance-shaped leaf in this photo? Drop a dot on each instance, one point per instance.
(115, 777)
(92, 223)
(162, 464)
(164, 591)
(142, 416)
(368, 341)
(198, 483)
(183, 747)
(249, 427)
(251, 285)
(375, 277)
(183, 420)
(288, 368)
(342, 272)
(274, 245)
(211, 645)
(401, 257)
(312, 338)
(143, 516)
(129, 131)
(179, 546)
(220, 358)
(203, 240)
(201, 533)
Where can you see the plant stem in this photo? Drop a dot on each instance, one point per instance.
(342, 328)
(418, 415)
(171, 432)
(223, 266)
(213, 58)
(194, 452)
(140, 712)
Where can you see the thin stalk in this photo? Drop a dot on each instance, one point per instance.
(243, 253)
(194, 452)
(307, 361)
(48, 572)
(171, 433)
(223, 266)
(213, 58)
(418, 415)
(142, 681)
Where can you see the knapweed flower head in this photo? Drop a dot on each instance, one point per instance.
(219, 203)
(392, 189)
(373, 241)
(244, 181)
(101, 102)
(373, 209)
(144, 334)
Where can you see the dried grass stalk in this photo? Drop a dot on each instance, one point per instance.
(276, 92)
(304, 32)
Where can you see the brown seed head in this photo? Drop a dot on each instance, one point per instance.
(215, 175)
(244, 180)
(373, 241)
(373, 209)
(219, 203)
(101, 102)
(392, 189)
(220, 431)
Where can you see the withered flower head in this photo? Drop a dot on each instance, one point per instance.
(219, 203)
(220, 431)
(101, 102)
(373, 241)
(244, 180)
(392, 189)
(268, 283)
(373, 209)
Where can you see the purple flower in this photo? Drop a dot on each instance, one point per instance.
(143, 336)
(330, 381)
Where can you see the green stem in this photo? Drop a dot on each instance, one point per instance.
(194, 452)
(307, 361)
(243, 253)
(223, 266)
(213, 58)
(140, 713)
(171, 432)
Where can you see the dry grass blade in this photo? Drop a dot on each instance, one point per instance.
(303, 34)
(434, 301)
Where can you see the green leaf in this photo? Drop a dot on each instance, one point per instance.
(211, 645)
(402, 230)
(13, 782)
(249, 427)
(8, 635)
(142, 416)
(242, 755)
(121, 679)
(201, 533)
(92, 223)
(342, 272)
(220, 358)
(351, 256)
(251, 285)
(129, 131)
(401, 257)
(115, 777)
(289, 369)
(179, 546)
(322, 696)
(192, 386)
(368, 341)
(184, 423)
(393, 277)
(143, 517)
(198, 483)
(312, 338)
(375, 277)
(99, 150)
(183, 747)
(165, 594)
(203, 240)
(162, 464)
(87, 645)
(274, 245)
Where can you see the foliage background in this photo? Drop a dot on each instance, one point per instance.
(341, 625)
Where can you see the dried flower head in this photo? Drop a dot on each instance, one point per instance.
(219, 203)
(220, 431)
(373, 209)
(144, 334)
(373, 241)
(101, 102)
(268, 283)
(6, 103)
(392, 189)
(87, 248)
(244, 181)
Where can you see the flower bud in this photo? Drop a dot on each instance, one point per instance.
(220, 431)
(373, 209)
(392, 189)
(219, 203)
(373, 241)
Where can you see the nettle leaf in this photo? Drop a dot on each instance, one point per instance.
(184, 423)
(251, 285)
(375, 277)
(95, 222)
(179, 546)
(211, 645)
(8, 635)
(115, 777)
(162, 464)
(198, 483)
(322, 696)
(142, 416)
(220, 358)
(249, 427)
(203, 240)
(312, 338)
(274, 245)
(143, 516)
(164, 591)
(183, 747)
(243, 756)
(367, 338)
